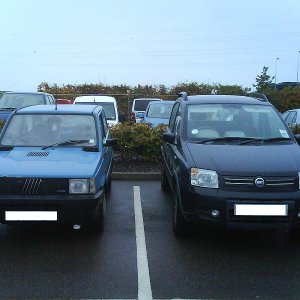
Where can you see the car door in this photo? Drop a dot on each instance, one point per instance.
(170, 150)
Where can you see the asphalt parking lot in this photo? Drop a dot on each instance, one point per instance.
(137, 256)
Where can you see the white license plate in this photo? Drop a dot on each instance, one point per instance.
(31, 216)
(260, 209)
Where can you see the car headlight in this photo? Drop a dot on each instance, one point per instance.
(204, 178)
(82, 186)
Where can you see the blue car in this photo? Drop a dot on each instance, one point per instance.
(158, 112)
(56, 164)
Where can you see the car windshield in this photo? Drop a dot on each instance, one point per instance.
(159, 110)
(215, 121)
(20, 100)
(108, 107)
(48, 129)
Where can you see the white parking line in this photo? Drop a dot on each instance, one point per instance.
(144, 285)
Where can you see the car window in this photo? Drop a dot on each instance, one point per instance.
(20, 100)
(108, 107)
(291, 118)
(173, 116)
(44, 129)
(141, 105)
(159, 110)
(234, 120)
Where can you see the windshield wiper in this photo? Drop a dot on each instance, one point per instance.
(225, 139)
(66, 143)
(7, 108)
(269, 140)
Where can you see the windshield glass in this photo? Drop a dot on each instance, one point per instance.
(159, 110)
(44, 130)
(20, 100)
(210, 121)
(108, 108)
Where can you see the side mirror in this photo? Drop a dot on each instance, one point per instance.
(168, 137)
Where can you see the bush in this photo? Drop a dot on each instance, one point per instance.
(138, 141)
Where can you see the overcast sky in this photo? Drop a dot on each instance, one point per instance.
(146, 42)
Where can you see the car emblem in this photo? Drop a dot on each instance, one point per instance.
(259, 182)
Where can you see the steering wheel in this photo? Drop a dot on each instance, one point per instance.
(30, 138)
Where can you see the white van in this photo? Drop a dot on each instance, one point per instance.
(139, 107)
(108, 103)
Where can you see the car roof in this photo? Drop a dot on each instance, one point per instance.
(29, 93)
(152, 99)
(60, 109)
(162, 102)
(95, 99)
(223, 99)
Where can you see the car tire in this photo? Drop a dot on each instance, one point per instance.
(97, 225)
(164, 183)
(180, 225)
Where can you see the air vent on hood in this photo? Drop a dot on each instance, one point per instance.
(38, 154)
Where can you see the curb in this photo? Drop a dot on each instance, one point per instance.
(135, 176)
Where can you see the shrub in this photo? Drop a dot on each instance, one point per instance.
(138, 141)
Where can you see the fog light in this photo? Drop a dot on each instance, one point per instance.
(298, 214)
(76, 227)
(215, 213)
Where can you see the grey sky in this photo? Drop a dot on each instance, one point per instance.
(146, 42)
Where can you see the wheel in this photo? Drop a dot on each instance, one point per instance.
(97, 225)
(164, 183)
(180, 225)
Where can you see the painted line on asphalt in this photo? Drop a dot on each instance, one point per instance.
(144, 284)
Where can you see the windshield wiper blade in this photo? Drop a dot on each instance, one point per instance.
(225, 139)
(66, 143)
(276, 139)
(7, 108)
(269, 140)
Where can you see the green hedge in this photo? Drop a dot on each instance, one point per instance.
(138, 141)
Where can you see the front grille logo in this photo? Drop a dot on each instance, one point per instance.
(259, 182)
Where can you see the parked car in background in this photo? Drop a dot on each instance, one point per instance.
(56, 165)
(138, 108)
(292, 117)
(231, 161)
(11, 101)
(158, 112)
(64, 101)
(108, 103)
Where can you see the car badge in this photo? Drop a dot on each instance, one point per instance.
(259, 182)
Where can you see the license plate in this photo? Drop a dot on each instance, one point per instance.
(31, 216)
(261, 210)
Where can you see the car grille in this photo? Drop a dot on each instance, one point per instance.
(241, 183)
(34, 186)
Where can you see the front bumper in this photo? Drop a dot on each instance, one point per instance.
(198, 205)
(71, 209)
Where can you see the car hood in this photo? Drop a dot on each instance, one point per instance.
(59, 162)
(276, 159)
